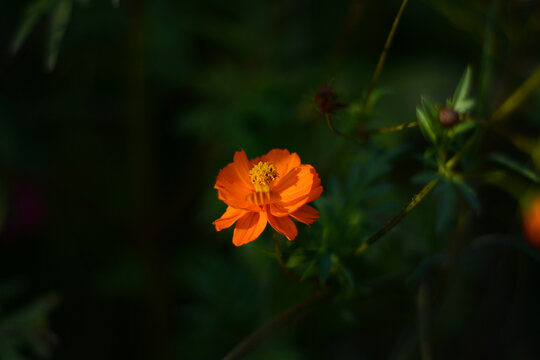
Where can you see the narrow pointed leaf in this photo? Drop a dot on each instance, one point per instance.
(59, 22)
(464, 105)
(425, 126)
(469, 195)
(425, 177)
(463, 87)
(343, 274)
(446, 208)
(34, 11)
(515, 166)
(325, 263)
(516, 243)
(429, 109)
(310, 270)
(461, 127)
(296, 259)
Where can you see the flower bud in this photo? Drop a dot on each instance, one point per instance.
(326, 99)
(448, 117)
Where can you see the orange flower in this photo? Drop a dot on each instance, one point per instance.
(269, 188)
(531, 222)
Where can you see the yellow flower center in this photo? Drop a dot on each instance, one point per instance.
(262, 175)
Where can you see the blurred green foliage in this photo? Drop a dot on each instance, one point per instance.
(24, 332)
(109, 153)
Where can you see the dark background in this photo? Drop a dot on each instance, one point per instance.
(108, 162)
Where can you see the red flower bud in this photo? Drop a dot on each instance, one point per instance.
(448, 117)
(326, 99)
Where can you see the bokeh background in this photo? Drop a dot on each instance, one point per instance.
(112, 134)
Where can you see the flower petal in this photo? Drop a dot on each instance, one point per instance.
(315, 193)
(278, 210)
(249, 227)
(297, 188)
(284, 225)
(306, 214)
(236, 173)
(289, 180)
(242, 167)
(233, 183)
(236, 197)
(283, 160)
(297, 183)
(228, 218)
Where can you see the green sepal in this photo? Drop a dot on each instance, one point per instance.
(425, 126)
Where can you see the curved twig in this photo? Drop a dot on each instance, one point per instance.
(246, 346)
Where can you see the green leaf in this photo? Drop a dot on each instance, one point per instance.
(463, 87)
(296, 259)
(512, 184)
(488, 52)
(429, 108)
(515, 166)
(516, 243)
(446, 208)
(461, 127)
(343, 274)
(33, 12)
(23, 324)
(325, 263)
(425, 177)
(464, 106)
(310, 270)
(425, 126)
(59, 22)
(469, 195)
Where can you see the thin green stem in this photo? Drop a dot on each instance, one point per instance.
(280, 261)
(394, 128)
(457, 156)
(383, 130)
(396, 219)
(518, 97)
(337, 132)
(382, 58)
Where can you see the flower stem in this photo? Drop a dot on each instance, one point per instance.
(382, 58)
(393, 128)
(279, 258)
(337, 132)
(246, 346)
(518, 97)
(457, 156)
(396, 219)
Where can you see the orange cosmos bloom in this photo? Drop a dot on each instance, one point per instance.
(269, 188)
(531, 222)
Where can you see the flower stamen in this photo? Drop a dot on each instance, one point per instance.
(262, 175)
